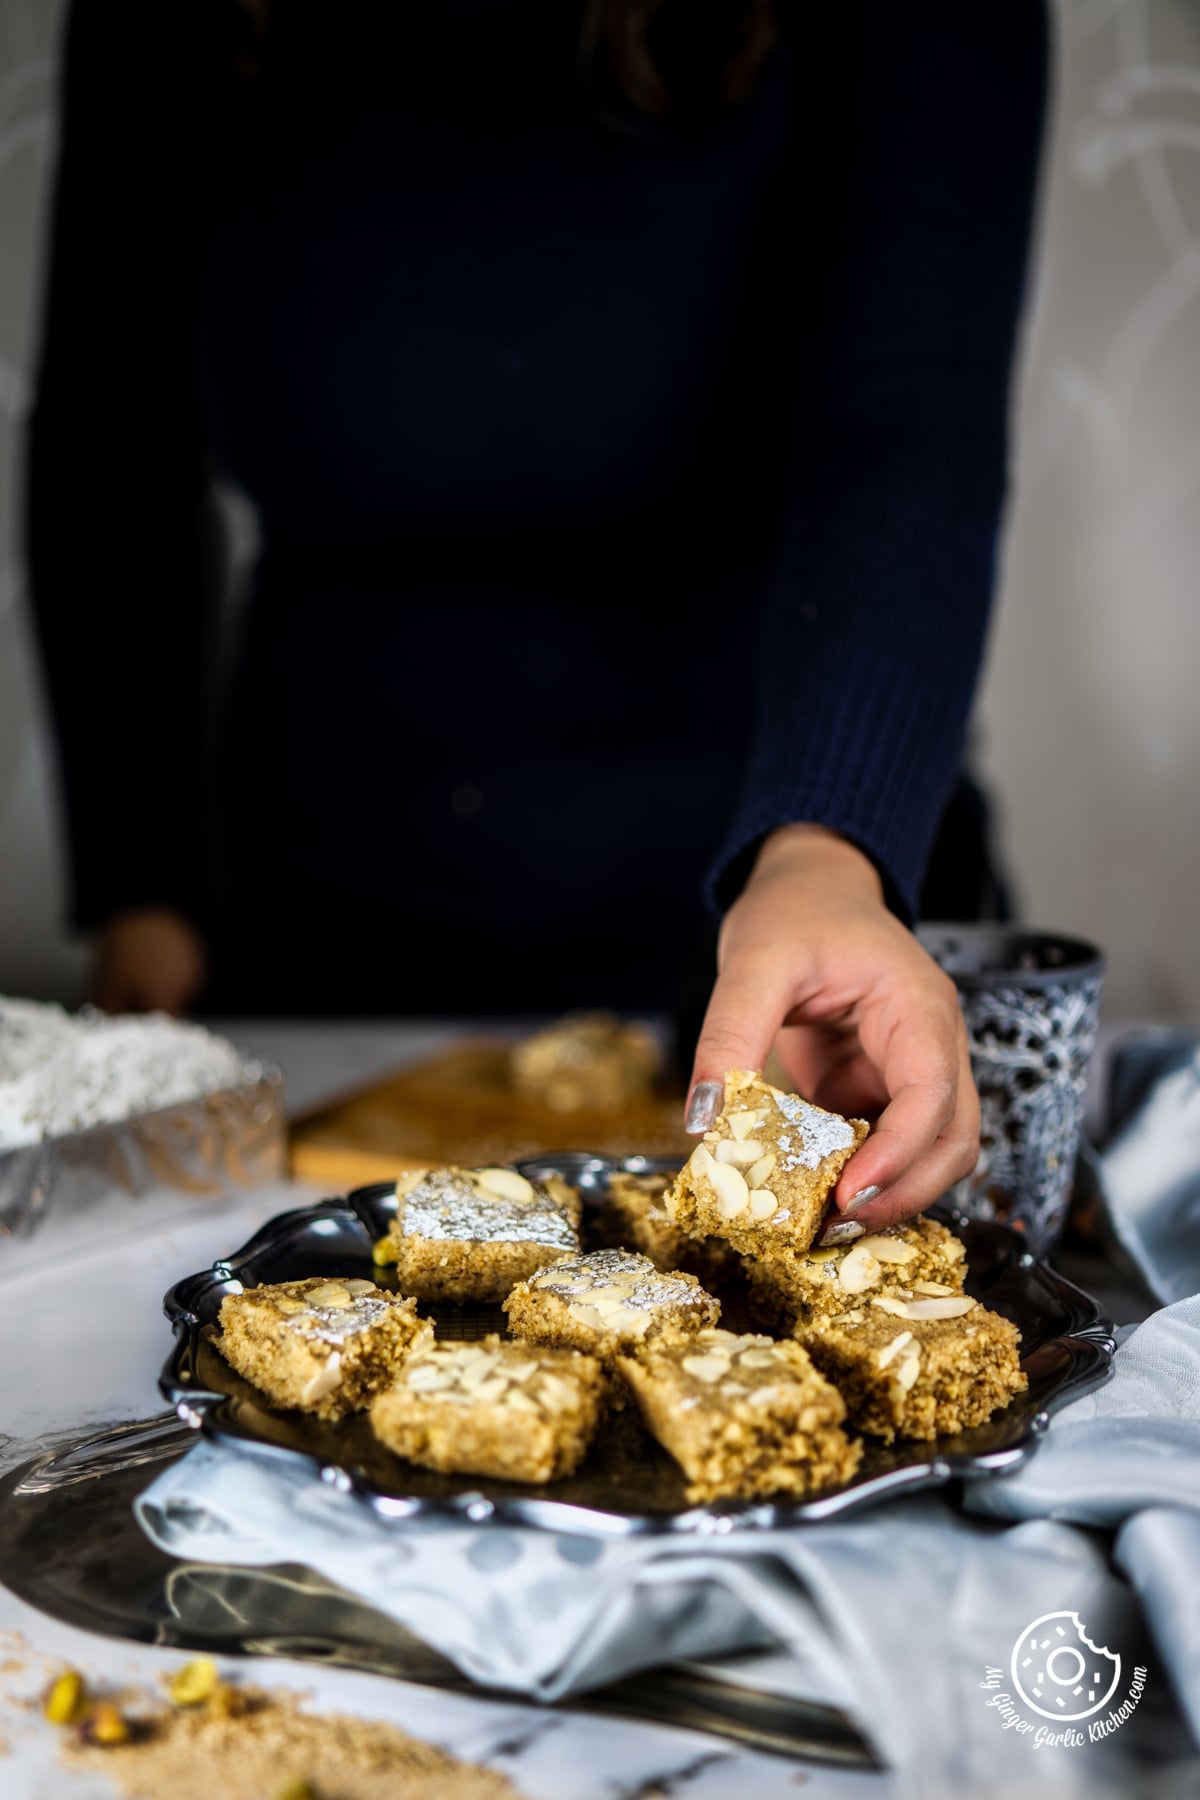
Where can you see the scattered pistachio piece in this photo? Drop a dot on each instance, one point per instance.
(66, 1699)
(195, 1682)
(104, 1724)
(384, 1252)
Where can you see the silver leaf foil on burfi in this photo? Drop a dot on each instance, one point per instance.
(820, 1133)
(580, 1276)
(447, 1205)
(334, 1324)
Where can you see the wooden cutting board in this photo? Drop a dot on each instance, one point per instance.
(461, 1107)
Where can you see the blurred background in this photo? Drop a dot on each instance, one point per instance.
(1088, 728)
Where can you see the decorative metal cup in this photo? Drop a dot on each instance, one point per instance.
(1031, 1001)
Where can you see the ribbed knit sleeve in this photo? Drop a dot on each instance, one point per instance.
(878, 604)
(121, 534)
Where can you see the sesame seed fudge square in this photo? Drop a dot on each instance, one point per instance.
(470, 1234)
(919, 1258)
(608, 1302)
(743, 1416)
(519, 1412)
(762, 1177)
(917, 1368)
(324, 1346)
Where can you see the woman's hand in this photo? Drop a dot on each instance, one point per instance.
(862, 1019)
(151, 960)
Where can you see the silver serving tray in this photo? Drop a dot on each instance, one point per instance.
(627, 1485)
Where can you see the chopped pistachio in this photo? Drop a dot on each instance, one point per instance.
(66, 1699)
(197, 1681)
(104, 1724)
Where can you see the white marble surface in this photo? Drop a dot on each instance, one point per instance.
(73, 1359)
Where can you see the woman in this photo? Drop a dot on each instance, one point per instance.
(623, 399)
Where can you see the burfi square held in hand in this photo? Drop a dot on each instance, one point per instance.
(325, 1346)
(917, 1368)
(515, 1411)
(743, 1416)
(471, 1234)
(607, 1302)
(762, 1177)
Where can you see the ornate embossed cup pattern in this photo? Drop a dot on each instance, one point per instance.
(1031, 1002)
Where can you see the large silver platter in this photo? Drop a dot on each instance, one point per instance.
(627, 1485)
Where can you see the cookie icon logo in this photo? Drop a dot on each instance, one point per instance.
(1059, 1672)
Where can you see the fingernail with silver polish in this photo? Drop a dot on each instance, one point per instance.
(840, 1231)
(863, 1198)
(703, 1105)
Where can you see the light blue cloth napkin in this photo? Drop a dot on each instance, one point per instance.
(1150, 1173)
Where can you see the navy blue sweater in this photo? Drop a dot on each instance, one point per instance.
(627, 487)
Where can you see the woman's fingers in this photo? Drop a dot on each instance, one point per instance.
(921, 1063)
(909, 1168)
(739, 1028)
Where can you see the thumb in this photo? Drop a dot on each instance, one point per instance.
(743, 1017)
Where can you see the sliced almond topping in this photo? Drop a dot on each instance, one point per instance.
(733, 1196)
(285, 1304)
(709, 1367)
(766, 1395)
(763, 1205)
(932, 1287)
(741, 1124)
(604, 1297)
(891, 1351)
(330, 1293)
(909, 1366)
(587, 1315)
(756, 1358)
(492, 1390)
(634, 1320)
(410, 1179)
(734, 1387)
(324, 1381)
(475, 1375)
(555, 1390)
(505, 1184)
(519, 1371)
(700, 1163)
(424, 1377)
(858, 1270)
(952, 1308)
(360, 1287)
(887, 1249)
(741, 1155)
(761, 1171)
(823, 1256)
(521, 1401)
